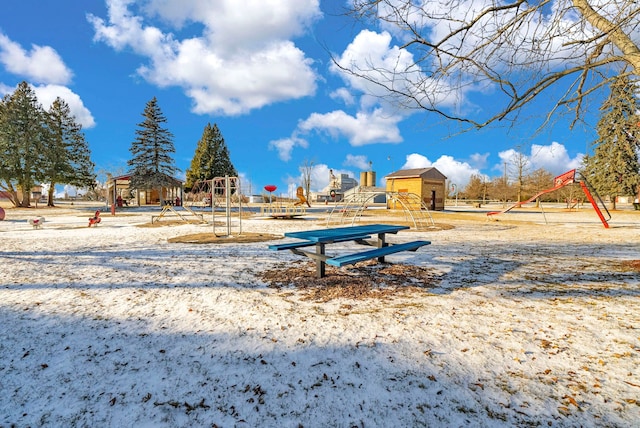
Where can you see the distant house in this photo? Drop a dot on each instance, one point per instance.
(428, 183)
(35, 195)
(119, 192)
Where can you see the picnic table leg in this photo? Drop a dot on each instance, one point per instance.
(381, 243)
(320, 266)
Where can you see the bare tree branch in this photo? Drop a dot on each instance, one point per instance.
(448, 50)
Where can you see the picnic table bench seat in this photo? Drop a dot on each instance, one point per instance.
(301, 244)
(350, 259)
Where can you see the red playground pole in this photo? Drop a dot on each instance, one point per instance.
(594, 204)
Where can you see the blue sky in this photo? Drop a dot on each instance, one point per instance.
(259, 69)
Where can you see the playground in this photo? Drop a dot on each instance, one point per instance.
(506, 322)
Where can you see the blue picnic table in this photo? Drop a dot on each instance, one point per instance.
(371, 234)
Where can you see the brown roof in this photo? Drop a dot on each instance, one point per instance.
(430, 172)
(127, 177)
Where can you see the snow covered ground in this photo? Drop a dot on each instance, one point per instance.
(523, 324)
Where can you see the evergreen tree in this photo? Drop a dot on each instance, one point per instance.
(211, 158)
(613, 169)
(67, 153)
(22, 148)
(152, 164)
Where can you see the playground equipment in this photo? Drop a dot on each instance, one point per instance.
(95, 219)
(279, 210)
(560, 181)
(219, 193)
(187, 214)
(36, 222)
(301, 197)
(227, 189)
(270, 188)
(354, 204)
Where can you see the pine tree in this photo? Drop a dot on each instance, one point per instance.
(67, 155)
(613, 169)
(211, 158)
(152, 164)
(22, 137)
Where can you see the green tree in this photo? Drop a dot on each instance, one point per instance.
(152, 164)
(22, 148)
(211, 158)
(67, 157)
(613, 169)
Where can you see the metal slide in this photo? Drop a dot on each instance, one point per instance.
(560, 181)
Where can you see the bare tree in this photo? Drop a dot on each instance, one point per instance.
(514, 51)
(518, 169)
(306, 170)
(502, 190)
(476, 189)
(537, 181)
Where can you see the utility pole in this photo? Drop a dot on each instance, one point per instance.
(504, 204)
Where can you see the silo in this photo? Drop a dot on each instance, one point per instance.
(363, 178)
(371, 178)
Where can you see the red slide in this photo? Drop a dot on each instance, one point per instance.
(562, 180)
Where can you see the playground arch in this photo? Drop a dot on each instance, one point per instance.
(350, 210)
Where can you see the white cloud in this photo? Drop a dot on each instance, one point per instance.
(48, 93)
(457, 172)
(364, 128)
(479, 160)
(343, 95)
(227, 21)
(242, 60)
(553, 158)
(359, 161)
(6, 89)
(416, 160)
(285, 146)
(373, 56)
(320, 176)
(41, 64)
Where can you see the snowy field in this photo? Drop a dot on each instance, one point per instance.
(521, 324)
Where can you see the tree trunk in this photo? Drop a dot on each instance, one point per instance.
(26, 198)
(52, 190)
(14, 198)
(630, 51)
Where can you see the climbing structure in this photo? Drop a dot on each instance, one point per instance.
(227, 196)
(559, 182)
(353, 206)
(224, 197)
